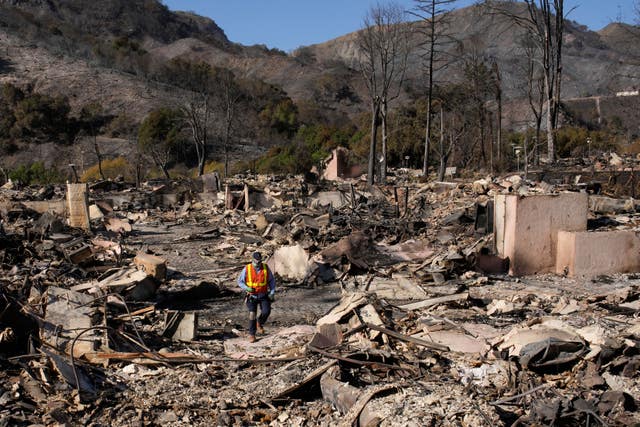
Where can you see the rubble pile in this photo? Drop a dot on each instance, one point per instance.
(392, 308)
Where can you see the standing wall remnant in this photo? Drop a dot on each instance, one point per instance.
(526, 228)
(78, 204)
(595, 253)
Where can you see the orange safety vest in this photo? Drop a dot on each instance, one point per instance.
(257, 281)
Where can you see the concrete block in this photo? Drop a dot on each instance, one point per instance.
(181, 326)
(154, 266)
(95, 212)
(526, 228)
(594, 253)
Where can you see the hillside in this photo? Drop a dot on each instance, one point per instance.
(595, 63)
(107, 51)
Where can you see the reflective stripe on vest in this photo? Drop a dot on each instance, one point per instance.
(257, 281)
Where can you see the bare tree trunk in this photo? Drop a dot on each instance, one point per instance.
(526, 153)
(98, 155)
(383, 163)
(491, 144)
(427, 138)
(483, 151)
(545, 24)
(432, 42)
(227, 135)
(443, 155)
(434, 14)
(375, 112)
(499, 131)
(165, 172)
(537, 142)
(551, 147)
(384, 44)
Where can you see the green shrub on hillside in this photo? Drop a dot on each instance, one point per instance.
(36, 173)
(572, 141)
(311, 145)
(34, 117)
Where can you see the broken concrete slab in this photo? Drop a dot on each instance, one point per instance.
(398, 287)
(335, 199)
(117, 225)
(410, 250)
(95, 213)
(608, 205)
(67, 315)
(130, 282)
(354, 248)
(287, 342)
(455, 340)
(347, 304)
(57, 207)
(519, 337)
(328, 335)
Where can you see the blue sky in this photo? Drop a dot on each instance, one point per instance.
(288, 24)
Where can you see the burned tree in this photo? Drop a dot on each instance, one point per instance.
(434, 31)
(384, 50)
(92, 119)
(479, 84)
(497, 85)
(230, 97)
(454, 123)
(197, 79)
(159, 136)
(535, 90)
(544, 22)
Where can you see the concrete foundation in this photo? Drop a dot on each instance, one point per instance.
(594, 253)
(526, 228)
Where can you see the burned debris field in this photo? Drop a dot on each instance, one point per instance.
(441, 303)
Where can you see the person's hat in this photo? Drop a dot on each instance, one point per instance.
(256, 257)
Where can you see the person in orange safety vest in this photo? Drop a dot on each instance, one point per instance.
(257, 280)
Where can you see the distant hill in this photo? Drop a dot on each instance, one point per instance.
(104, 50)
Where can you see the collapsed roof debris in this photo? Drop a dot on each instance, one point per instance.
(394, 306)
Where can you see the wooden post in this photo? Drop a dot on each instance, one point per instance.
(228, 201)
(246, 198)
(406, 200)
(395, 197)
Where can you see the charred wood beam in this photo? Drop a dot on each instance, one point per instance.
(402, 337)
(352, 361)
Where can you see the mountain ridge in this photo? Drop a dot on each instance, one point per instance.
(109, 52)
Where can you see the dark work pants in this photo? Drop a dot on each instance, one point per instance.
(253, 301)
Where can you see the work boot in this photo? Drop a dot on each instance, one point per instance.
(252, 338)
(260, 328)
